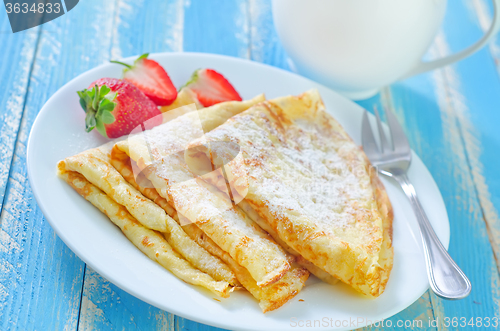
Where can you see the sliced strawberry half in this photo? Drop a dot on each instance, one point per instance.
(150, 77)
(211, 87)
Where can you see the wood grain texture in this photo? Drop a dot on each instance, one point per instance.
(226, 36)
(14, 76)
(479, 116)
(40, 276)
(450, 116)
(106, 307)
(473, 97)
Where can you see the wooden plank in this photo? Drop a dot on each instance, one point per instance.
(477, 86)
(481, 88)
(220, 28)
(14, 75)
(41, 279)
(185, 324)
(141, 26)
(106, 307)
(137, 27)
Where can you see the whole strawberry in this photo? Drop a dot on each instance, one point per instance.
(211, 87)
(115, 107)
(150, 77)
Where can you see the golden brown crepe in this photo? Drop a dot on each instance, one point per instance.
(270, 297)
(159, 155)
(184, 97)
(318, 272)
(301, 172)
(93, 166)
(110, 185)
(248, 194)
(150, 242)
(174, 234)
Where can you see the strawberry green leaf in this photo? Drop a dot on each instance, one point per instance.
(100, 127)
(90, 93)
(110, 96)
(104, 90)
(90, 121)
(107, 117)
(88, 99)
(83, 102)
(106, 105)
(98, 104)
(95, 101)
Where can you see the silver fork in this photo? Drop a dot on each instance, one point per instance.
(445, 277)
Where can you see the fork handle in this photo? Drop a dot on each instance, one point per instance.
(447, 280)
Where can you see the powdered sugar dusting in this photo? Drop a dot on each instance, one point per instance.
(169, 138)
(302, 168)
(202, 203)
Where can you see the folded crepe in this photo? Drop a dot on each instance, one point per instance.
(143, 222)
(184, 97)
(150, 242)
(299, 171)
(146, 219)
(270, 297)
(158, 154)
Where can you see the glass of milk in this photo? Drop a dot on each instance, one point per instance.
(358, 46)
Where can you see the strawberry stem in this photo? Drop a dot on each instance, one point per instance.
(192, 79)
(95, 101)
(123, 64)
(143, 56)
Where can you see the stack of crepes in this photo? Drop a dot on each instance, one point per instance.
(307, 184)
(284, 192)
(224, 252)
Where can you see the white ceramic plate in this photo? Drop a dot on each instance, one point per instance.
(59, 132)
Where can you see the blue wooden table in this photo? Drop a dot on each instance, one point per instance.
(451, 116)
